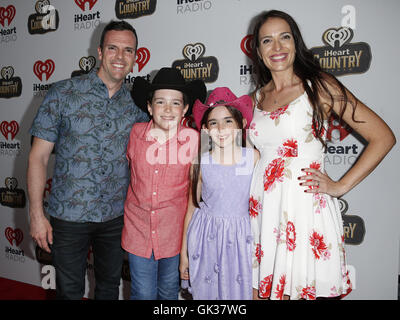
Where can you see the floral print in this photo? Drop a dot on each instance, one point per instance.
(318, 246)
(273, 173)
(280, 287)
(298, 236)
(255, 207)
(265, 287)
(289, 148)
(259, 253)
(286, 233)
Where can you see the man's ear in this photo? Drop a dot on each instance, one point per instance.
(99, 53)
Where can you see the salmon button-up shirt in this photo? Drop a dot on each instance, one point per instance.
(157, 197)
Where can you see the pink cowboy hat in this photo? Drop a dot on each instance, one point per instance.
(223, 96)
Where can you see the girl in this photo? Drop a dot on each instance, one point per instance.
(217, 240)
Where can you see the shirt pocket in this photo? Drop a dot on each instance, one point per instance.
(176, 174)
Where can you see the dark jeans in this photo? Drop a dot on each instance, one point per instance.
(71, 242)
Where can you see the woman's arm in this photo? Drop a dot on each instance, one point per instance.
(371, 127)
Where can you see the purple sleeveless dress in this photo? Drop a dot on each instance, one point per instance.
(219, 234)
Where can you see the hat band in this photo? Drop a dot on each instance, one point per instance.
(218, 102)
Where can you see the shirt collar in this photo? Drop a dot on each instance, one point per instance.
(95, 79)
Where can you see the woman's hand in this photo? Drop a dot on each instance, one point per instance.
(318, 182)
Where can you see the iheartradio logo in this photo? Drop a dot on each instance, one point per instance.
(46, 68)
(143, 56)
(194, 51)
(340, 128)
(8, 14)
(7, 128)
(246, 45)
(82, 3)
(339, 36)
(14, 235)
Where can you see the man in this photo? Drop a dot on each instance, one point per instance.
(87, 119)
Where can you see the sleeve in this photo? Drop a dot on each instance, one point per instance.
(47, 121)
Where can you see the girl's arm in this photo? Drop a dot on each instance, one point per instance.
(184, 260)
(373, 129)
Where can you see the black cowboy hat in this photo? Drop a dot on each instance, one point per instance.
(168, 78)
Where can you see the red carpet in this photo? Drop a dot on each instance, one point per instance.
(15, 290)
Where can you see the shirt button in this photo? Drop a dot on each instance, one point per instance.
(153, 232)
(156, 171)
(154, 193)
(152, 212)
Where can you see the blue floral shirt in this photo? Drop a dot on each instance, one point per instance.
(90, 132)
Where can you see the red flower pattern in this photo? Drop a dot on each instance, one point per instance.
(264, 289)
(289, 148)
(308, 293)
(274, 172)
(259, 253)
(277, 113)
(255, 207)
(290, 236)
(280, 287)
(318, 245)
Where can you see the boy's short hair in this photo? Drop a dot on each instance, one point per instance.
(117, 26)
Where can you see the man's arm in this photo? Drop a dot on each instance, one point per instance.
(40, 228)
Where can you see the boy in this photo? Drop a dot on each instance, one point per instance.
(160, 153)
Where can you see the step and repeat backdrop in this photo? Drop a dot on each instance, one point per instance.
(45, 41)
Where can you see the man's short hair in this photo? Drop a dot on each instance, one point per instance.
(117, 26)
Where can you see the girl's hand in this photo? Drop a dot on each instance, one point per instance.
(317, 182)
(184, 266)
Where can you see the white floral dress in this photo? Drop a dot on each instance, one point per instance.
(298, 236)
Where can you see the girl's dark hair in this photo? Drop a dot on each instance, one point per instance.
(237, 116)
(306, 68)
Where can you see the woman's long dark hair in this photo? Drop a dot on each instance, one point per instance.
(306, 68)
(237, 116)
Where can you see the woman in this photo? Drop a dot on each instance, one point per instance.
(296, 221)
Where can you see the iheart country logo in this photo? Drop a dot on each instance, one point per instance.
(11, 183)
(8, 14)
(9, 127)
(87, 63)
(7, 72)
(81, 4)
(194, 51)
(341, 36)
(46, 68)
(246, 45)
(12, 235)
(143, 56)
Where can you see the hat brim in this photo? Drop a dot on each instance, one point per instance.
(244, 104)
(194, 90)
